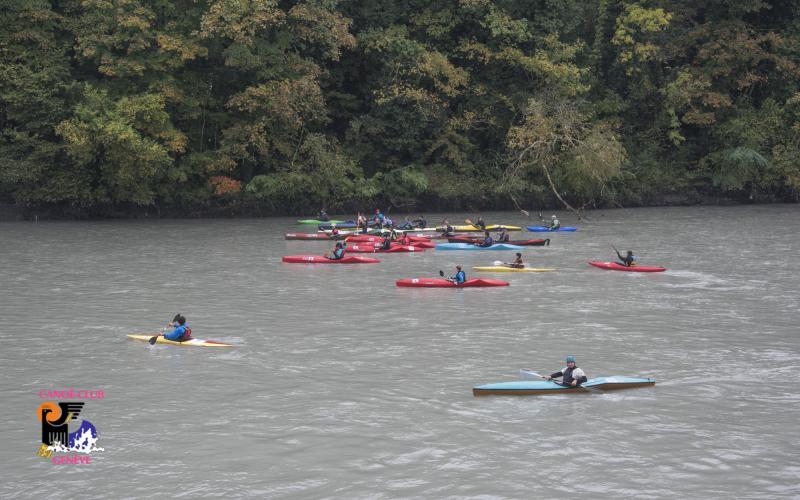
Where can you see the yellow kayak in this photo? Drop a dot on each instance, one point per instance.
(493, 227)
(190, 342)
(504, 269)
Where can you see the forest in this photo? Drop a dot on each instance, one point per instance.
(284, 107)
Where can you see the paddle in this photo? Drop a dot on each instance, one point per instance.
(441, 273)
(152, 340)
(524, 372)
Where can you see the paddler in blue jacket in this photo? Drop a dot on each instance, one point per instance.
(487, 241)
(628, 261)
(338, 251)
(459, 278)
(323, 216)
(181, 330)
(571, 375)
(378, 218)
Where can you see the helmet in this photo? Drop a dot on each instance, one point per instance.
(552, 216)
(570, 359)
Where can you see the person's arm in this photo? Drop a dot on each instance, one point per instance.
(579, 377)
(620, 256)
(554, 375)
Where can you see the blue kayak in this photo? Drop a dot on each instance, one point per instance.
(542, 229)
(468, 246)
(536, 387)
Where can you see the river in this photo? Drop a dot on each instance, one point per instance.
(341, 385)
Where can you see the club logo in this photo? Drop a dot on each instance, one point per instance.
(59, 444)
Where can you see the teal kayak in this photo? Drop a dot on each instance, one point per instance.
(536, 387)
(318, 222)
(469, 246)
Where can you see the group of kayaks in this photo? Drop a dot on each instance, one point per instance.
(419, 240)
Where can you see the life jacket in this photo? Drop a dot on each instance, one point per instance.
(187, 335)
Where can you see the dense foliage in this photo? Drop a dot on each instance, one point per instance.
(287, 105)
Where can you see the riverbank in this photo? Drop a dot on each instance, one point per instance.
(29, 212)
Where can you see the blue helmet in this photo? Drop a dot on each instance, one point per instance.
(570, 359)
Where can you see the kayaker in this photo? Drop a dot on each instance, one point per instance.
(502, 236)
(420, 222)
(459, 278)
(361, 222)
(378, 218)
(448, 229)
(406, 225)
(338, 251)
(393, 235)
(554, 223)
(334, 231)
(387, 242)
(517, 264)
(571, 375)
(404, 240)
(629, 260)
(181, 330)
(323, 216)
(479, 223)
(487, 241)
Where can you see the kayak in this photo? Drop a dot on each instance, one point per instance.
(327, 226)
(443, 283)
(536, 387)
(313, 236)
(367, 248)
(319, 259)
(365, 238)
(493, 227)
(613, 266)
(542, 229)
(505, 269)
(190, 342)
(318, 222)
(520, 243)
(468, 246)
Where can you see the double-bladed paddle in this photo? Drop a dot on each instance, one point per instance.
(524, 372)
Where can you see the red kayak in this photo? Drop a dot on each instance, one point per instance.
(319, 259)
(521, 243)
(362, 238)
(613, 266)
(367, 248)
(308, 236)
(443, 283)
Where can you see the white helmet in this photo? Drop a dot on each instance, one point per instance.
(552, 216)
